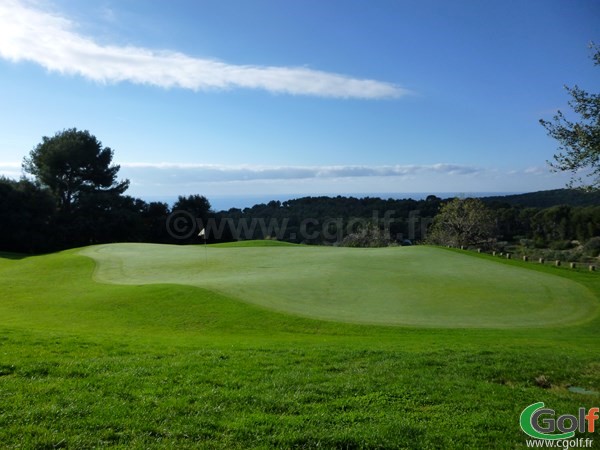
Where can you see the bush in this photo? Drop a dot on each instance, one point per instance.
(369, 236)
(527, 243)
(592, 247)
(560, 245)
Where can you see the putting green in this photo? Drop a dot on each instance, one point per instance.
(415, 286)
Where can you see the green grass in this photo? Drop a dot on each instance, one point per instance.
(392, 286)
(86, 364)
(254, 243)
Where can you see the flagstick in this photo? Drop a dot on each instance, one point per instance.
(203, 234)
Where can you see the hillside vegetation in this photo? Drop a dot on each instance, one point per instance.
(546, 199)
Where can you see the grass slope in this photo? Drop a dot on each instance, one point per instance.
(416, 286)
(88, 365)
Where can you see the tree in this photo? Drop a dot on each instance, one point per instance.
(199, 209)
(73, 163)
(27, 213)
(155, 222)
(197, 205)
(462, 222)
(579, 141)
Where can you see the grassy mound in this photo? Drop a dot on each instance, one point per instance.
(255, 243)
(415, 286)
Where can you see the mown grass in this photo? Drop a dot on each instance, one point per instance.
(86, 365)
(418, 286)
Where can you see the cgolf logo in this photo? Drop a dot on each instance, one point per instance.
(540, 423)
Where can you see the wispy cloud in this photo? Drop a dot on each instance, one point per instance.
(10, 169)
(536, 170)
(29, 33)
(167, 172)
(167, 180)
(159, 179)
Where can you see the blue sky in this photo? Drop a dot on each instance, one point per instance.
(274, 98)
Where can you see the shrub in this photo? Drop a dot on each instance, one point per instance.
(527, 243)
(369, 236)
(539, 242)
(560, 245)
(592, 247)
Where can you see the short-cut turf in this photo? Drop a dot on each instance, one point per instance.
(90, 365)
(411, 286)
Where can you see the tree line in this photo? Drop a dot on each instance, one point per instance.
(34, 220)
(443, 221)
(72, 197)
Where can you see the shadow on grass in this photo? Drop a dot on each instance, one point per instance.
(15, 256)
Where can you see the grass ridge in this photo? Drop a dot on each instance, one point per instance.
(416, 286)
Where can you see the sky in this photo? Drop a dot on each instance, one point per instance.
(229, 98)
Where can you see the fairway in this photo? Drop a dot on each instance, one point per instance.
(409, 286)
(155, 346)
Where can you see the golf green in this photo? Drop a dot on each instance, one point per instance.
(410, 286)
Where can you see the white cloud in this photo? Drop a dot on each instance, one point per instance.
(28, 33)
(202, 173)
(165, 181)
(10, 169)
(536, 170)
(162, 180)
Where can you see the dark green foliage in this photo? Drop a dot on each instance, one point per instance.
(579, 147)
(592, 247)
(154, 222)
(197, 205)
(553, 223)
(560, 245)
(72, 164)
(328, 220)
(78, 201)
(545, 199)
(76, 169)
(27, 214)
(199, 208)
(543, 226)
